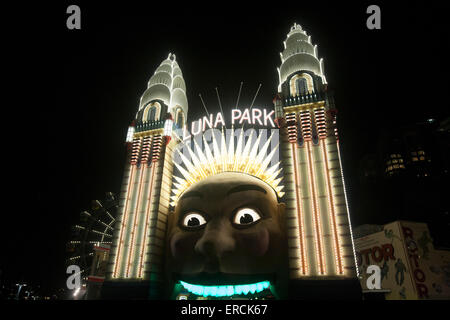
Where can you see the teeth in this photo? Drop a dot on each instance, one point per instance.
(227, 290)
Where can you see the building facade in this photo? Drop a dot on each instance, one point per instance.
(411, 268)
(319, 244)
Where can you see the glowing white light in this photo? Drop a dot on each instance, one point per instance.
(245, 159)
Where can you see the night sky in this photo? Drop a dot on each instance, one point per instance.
(76, 91)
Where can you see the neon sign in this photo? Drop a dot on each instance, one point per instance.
(253, 116)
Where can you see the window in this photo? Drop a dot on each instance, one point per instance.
(301, 86)
(152, 114)
(180, 119)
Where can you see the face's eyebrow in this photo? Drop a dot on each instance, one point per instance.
(246, 187)
(191, 194)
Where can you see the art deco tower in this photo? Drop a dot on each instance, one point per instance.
(135, 264)
(319, 233)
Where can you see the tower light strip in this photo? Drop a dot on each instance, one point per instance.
(144, 159)
(316, 209)
(156, 147)
(146, 224)
(305, 119)
(320, 122)
(135, 154)
(300, 220)
(291, 120)
(306, 129)
(346, 206)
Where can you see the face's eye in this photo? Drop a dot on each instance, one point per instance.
(192, 220)
(246, 216)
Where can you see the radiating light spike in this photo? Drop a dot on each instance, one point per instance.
(263, 158)
(217, 154)
(223, 152)
(177, 185)
(238, 153)
(200, 153)
(246, 151)
(185, 173)
(263, 152)
(231, 154)
(271, 180)
(181, 181)
(276, 182)
(196, 162)
(252, 155)
(272, 169)
(209, 156)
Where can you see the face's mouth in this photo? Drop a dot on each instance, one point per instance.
(223, 284)
(226, 290)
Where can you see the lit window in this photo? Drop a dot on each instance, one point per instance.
(301, 86)
(415, 159)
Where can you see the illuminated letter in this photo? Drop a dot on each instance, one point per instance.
(374, 281)
(269, 116)
(245, 116)
(233, 117)
(209, 121)
(74, 20)
(256, 117)
(199, 127)
(374, 21)
(186, 134)
(219, 118)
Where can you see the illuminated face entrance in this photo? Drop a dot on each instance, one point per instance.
(227, 231)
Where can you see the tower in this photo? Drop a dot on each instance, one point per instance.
(320, 243)
(135, 264)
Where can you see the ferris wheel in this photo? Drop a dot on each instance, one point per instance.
(95, 228)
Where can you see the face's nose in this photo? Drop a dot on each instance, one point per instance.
(214, 243)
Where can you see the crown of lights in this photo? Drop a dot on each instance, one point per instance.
(245, 158)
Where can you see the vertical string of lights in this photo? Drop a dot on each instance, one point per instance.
(322, 132)
(345, 194)
(156, 152)
(305, 117)
(291, 121)
(143, 169)
(136, 148)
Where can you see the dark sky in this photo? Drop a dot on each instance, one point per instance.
(75, 92)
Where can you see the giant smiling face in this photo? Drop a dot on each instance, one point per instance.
(227, 229)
